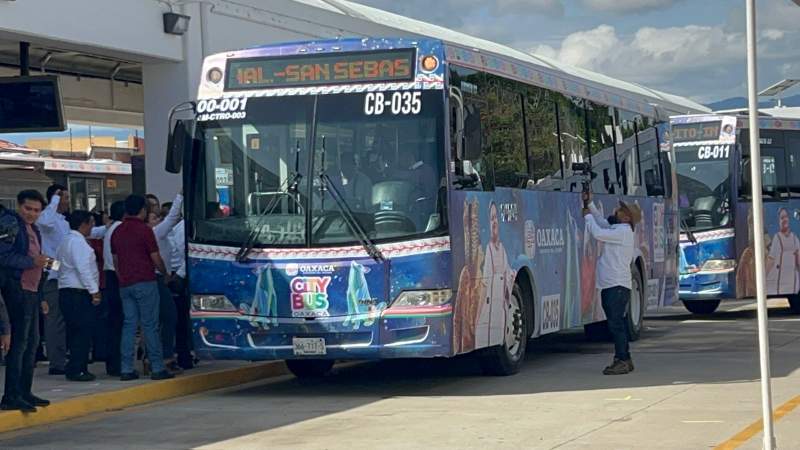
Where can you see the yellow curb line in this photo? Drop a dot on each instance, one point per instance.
(758, 426)
(140, 394)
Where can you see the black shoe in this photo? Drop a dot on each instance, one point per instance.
(55, 371)
(619, 367)
(18, 405)
(163, 375)
(129, 376)
(36, 401)
(83, 376)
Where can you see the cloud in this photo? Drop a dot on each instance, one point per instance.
(451, 13)
(628, 6)
(704, 62)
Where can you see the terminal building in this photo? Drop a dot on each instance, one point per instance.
(126, 63)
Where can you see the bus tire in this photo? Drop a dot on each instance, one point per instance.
(701, 307)
(794, 303)
(636, 306)
(507, 359)
(309, 368)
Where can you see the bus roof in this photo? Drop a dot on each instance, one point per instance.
(665, 104)
(769, 118)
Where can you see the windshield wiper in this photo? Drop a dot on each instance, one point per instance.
(689, 233)
(347, 213)
(290, 186)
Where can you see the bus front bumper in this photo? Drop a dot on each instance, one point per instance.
(421, 332)
(712, 285)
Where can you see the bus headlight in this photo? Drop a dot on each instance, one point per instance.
(212, 303)
(423, 298)
(718, 264)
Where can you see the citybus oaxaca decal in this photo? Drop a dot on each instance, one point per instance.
(311, 70)
(310, 296)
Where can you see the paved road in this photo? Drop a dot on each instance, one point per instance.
(695, 386)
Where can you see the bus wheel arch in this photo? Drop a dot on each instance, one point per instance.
(527, 285)
(508, 357)
(635, 315)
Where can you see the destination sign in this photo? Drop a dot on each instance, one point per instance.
(702, 131)
(313, 70)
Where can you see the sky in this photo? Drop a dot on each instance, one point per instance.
(694, 48)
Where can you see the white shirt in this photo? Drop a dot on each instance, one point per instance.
(108, 257)
(78, 264)
(614, 265)
(178, 241)
(54, 228)
(163, 230)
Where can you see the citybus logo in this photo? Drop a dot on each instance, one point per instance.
(310, 296)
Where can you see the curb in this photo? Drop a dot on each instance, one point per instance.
(140, 394)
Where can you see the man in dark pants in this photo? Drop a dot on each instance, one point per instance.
(78, 293)
(21, 263)
(614, 273)
(111, 297)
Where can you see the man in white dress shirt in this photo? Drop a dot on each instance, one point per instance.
(54, 228)
(111, 296)
(78, 293)
(614, 273)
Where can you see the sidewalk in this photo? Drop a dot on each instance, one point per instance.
(75, 399)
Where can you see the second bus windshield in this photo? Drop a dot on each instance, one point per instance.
(704, 178)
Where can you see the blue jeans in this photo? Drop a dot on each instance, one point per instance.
(140, 304)
(615, 305)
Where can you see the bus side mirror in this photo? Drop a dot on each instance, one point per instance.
(178, 142)
(472, 133)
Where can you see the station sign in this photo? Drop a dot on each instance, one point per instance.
(324, 69)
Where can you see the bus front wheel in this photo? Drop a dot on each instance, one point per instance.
(701, 306)
(636, 307)
(507, 358)
(309, 368)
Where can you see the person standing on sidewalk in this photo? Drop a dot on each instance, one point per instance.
(54, 229)
(79, 293)
(111, 296)
(614, 273)
(21, 263)
(183, 332)
(135, 244)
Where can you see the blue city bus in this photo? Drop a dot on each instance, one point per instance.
(714, 198)
(394, 198)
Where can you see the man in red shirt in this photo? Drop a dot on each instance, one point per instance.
(136, 259)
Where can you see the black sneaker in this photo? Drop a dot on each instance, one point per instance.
(83, 376)
(36, 401)
(17, 405)
(55, 371)
(163, 375)
(129, 376)
(619, 367)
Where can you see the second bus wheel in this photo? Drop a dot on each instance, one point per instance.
(636, 307)
(507, 358)
(701, 306)
(309, 368)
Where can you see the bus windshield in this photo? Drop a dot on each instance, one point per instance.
(295, 167)
(704, 186)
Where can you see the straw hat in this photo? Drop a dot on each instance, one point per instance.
(633, 210)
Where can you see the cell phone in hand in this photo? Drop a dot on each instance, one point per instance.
(52, 264)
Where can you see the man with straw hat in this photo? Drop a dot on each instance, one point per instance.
(614, 272)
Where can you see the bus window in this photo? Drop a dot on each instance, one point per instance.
(505, 140)
(774, 161)
(542, 138)
(472, 86)
(651, 168)
(572, 129)
(627, 150)
(600, 127)
(793, 160)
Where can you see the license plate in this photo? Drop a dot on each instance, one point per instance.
(309, 346)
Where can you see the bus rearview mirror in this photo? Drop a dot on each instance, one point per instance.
(177, 142)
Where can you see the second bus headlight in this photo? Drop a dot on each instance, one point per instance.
(423, 298)
(212, 303)
(718, 264)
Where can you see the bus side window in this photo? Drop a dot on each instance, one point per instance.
(544, 154)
